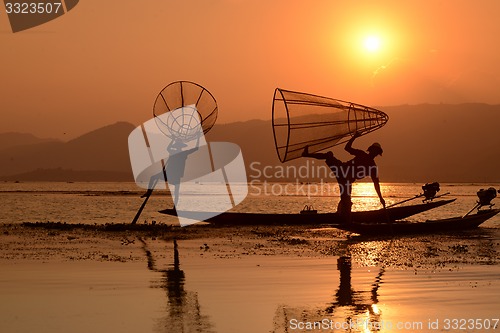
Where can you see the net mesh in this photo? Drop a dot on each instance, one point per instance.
(301, 120)
(182, 99)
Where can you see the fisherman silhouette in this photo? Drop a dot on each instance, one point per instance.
(177, 163)
(174, 168)
(361, 166)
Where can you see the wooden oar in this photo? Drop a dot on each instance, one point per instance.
(406, 200)
(148, 194)
(478, 205)
(416, 197)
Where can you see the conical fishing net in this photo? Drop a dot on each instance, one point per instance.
(301, 120)
(184, 109)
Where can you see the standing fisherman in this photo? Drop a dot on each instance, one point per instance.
(361, 166)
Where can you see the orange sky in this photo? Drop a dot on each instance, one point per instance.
(106, 61)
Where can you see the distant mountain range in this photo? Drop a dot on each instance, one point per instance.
(8, 140)
(90, 156)
(422, 143)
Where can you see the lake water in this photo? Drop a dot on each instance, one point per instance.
(99, 203)
(428, 283)
(295, 294)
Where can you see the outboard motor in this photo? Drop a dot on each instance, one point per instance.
(430, 190)
(485, 196)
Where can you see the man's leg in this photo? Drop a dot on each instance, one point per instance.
(328, 156)
(345, 204)
(333, 163)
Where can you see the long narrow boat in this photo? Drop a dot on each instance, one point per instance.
(308, 217)
(430, 226)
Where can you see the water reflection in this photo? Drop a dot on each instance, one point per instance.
(351, 310)
(340, 296)
(350, 304)
(347, 296)
(183, 313)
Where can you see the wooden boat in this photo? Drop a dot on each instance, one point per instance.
(430, 226)
(308, 216)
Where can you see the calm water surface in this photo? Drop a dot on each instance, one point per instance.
(329, 294)
(118, 202)
(359, 291)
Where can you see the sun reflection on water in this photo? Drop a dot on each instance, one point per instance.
(364, 197)
(353, 307)
(354, 290)
(375, 309)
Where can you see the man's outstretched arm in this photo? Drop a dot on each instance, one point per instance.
(348, 146)
(376, 184)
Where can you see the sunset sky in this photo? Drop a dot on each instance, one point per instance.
(105, 61)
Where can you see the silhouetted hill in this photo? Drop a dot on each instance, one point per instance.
(104, 149)
(448, 143)
(65, 175)
(422, 143)
(8, 140)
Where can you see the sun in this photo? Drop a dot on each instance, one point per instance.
(372, 44)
